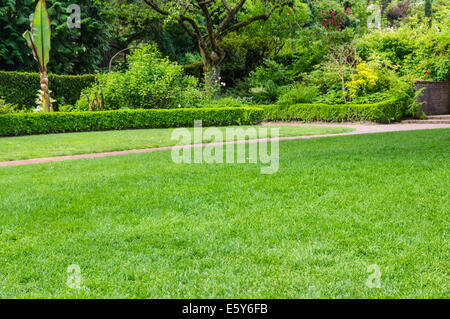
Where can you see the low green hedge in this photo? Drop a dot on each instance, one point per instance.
(21, 88)
(383, 112)
(59, 122)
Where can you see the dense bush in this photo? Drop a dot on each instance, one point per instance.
(44, 123)
(74, 50)
(419, 53)
(21, 88)
(298, 94)
(6, 108)
(150, 82)
(243, 54)
(383, 112)
(227, 102)
(268, 82)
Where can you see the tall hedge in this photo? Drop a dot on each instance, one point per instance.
(60, 122)
(21, 88)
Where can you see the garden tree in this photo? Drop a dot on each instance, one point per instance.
(74, 50)
(78, 50)
(208, 22)
(247, 49)
(429, 11)
(14, 20)
(342, 61)
(399, 11)
(39, 41)
(132, 22)
(384, 4)
(283, 25)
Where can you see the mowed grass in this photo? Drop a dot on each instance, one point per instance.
(140, 226)
(26, 147)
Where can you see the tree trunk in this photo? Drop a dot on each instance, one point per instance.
(343, 89)
(212, 78)
(211, 69)
(46, 103)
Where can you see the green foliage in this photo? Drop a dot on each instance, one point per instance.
(39, 39)
(283, 24)
(243, 54)
(420, 53)
(372, 98)
(227, 102)
(335, 97)
(363, 82)
(298, 93)
(149, 82)
(383, 112)
(21, 88)
(45, 123)
(268, 82)
(436, 68)
(74, 51)
(7, 108)
(429, 9)
(324, 79)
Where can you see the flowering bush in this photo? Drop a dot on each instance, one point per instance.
(418, 53)
(332, 19)
(437, 68)
(363, 82)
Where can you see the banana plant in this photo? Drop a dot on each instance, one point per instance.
(39, 41)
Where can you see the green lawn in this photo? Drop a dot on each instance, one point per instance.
(141, 226)
(25, 147)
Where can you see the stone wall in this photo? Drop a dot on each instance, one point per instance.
(435, 96)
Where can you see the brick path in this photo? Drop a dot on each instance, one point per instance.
(360, 128)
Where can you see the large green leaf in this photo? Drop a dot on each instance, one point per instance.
(28, 37)
(42, 33)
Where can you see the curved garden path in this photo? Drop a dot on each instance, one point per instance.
(360, 128)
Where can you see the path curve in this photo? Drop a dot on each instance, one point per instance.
(360, 128)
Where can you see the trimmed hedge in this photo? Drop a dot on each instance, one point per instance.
(59, 122)
(383, 112)
(21, 88)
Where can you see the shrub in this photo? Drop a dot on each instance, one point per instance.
(363, 82)
(420, 53)
(333, 19)
(299, 94)
(268, 82)
(6, 108)
(59, 122)
(227, 102)
(21, 88)
(383, 112)
(150, 82)
(436, 68)
(243, 54)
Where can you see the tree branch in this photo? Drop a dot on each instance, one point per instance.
(156, 8)
(209, 26)
(226, 5)
(239, 25)
(229, 17)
